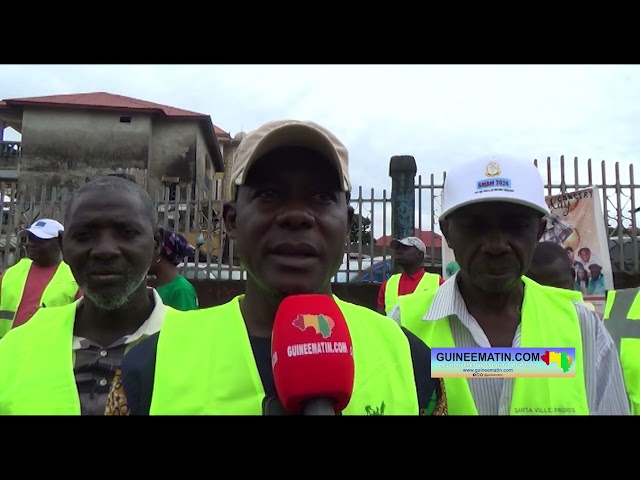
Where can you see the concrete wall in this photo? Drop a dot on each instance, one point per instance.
(64, 148)
(173, 152)
(217, 292)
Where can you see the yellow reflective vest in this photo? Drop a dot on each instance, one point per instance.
(61, 290)
(622, 319)
(549, 320)
(205, 365)
(429, 281)
(36, 365)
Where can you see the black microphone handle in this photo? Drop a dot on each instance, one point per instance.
(319, 406)
(271, 406)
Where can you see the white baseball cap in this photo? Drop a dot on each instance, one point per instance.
(289, 133)
(45, 229)
(494, 178)
(410, 242)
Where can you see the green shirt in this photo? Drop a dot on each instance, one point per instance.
(179, 293)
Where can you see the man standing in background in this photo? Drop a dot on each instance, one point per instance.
(410, 253)
(40, 280)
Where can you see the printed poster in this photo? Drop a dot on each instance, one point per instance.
(576, 222)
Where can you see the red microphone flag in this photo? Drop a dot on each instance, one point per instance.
(311, 352)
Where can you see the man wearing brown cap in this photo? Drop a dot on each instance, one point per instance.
(290, 217)
(410, 253)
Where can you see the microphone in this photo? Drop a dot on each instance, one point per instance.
(312, 356)
(271, 406)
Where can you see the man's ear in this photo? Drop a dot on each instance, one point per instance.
(158, 238)
(444, 227)
(229, 210)
(350, 212)
(542, 227)
(60, 234)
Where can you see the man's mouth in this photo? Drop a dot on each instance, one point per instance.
(299, 256)
(105, 275)
(294, 250)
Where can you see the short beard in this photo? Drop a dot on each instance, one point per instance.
(113, 301)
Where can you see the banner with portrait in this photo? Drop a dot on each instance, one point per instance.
(575, 222)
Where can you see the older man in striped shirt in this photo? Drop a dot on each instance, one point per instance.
(493, 215)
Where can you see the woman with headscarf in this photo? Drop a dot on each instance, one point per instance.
(175, 290)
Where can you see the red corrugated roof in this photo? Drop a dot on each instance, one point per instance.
(105, 100)
(110, 101)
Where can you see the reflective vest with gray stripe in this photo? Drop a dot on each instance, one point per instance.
(622, 319)
(429, 281)
(61, 290)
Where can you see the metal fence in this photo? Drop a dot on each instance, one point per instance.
(198, 219)
(618, 194)
(368, 255)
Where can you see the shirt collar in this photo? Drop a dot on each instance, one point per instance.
(150, 326)
(447, 301)
(416, 276)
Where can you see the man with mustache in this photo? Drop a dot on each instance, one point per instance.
(290, 218)
(493, 215)
(63, 360)
(41, 279)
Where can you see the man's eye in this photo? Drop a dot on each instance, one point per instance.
(325, 196)
(266, 194)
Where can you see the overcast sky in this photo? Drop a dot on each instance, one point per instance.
(440, 114)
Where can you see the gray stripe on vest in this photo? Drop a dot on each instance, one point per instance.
(6, 315)
(619, 324)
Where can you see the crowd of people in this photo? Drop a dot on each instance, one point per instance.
(98, 321)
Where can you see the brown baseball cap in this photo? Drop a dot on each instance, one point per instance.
(289, 133)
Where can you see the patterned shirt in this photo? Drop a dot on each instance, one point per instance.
(606, 393)
(96, 365)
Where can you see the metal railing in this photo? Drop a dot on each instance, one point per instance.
(367, 254)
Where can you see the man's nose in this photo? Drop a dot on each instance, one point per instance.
(295, 215)
(495, 242)
(105, 246)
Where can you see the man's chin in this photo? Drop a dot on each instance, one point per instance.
(497, 283)
(106, 302)
(286, 287)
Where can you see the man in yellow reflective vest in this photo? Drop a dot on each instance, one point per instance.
(410, 253)
(289, 216)
(622, 319)
(63, 360)
(493, 215)
(41, 279)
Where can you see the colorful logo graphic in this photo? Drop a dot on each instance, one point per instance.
(563, 360)
(481, 362)
(493, 169)
(322, 324)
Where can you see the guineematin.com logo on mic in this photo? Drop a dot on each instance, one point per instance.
(322, 325)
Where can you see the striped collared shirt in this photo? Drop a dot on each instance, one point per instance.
(95, 365)
(606, 393)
